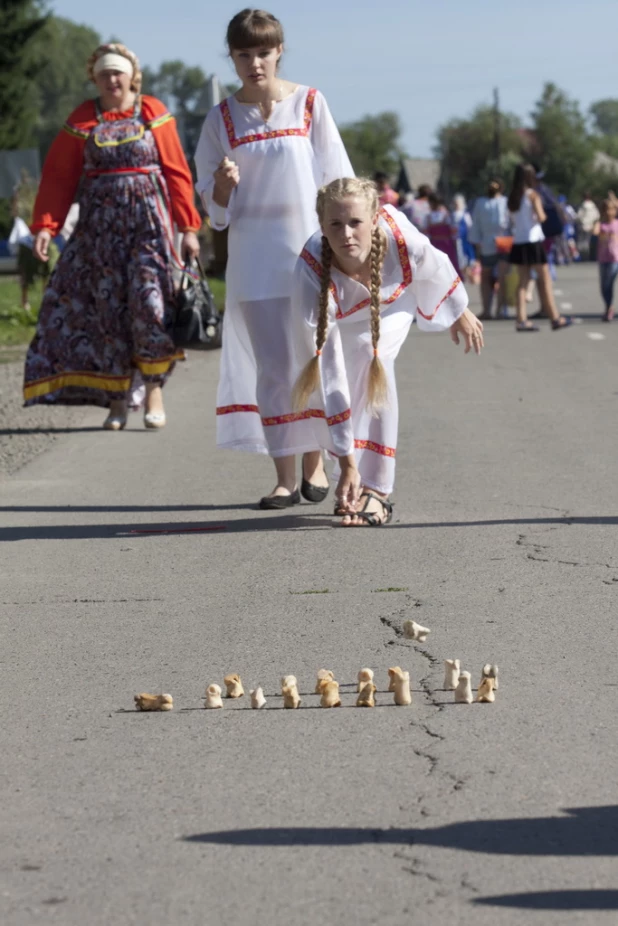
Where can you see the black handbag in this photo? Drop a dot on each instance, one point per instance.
(197, 321)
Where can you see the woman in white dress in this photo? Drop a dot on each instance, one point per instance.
(359, 284)
(261, 157)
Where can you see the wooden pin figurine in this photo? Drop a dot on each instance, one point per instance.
(150, 702)
(490, 671)
(323, 675)
(233, 685)
(257, 699)
(414, 631)
(288, 681)
(212, 698)
(366, 695)
(393, 674)
(291, 697)
(485, 693)
(463, 691)
(451, 673)
(402, 689)
(330, 694)
(365, 675)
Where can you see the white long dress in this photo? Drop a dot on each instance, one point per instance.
(270, 215)
(418, 282)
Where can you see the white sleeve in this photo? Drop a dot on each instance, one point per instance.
(329, 149)
(208, 155)
(440, 295)
(334, 387)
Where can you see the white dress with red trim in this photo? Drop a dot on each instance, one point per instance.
(271, 214)
(418, 282)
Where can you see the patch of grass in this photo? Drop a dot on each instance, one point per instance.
(16, 325)
(391, 589)
(217, 288)
(317, 591)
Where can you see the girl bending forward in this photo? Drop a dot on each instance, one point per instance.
(358, 286)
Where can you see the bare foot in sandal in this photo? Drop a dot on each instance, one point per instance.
(374, 510)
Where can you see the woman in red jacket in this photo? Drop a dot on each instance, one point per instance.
(101, 329)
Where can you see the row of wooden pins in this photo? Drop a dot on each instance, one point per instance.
(460, 682)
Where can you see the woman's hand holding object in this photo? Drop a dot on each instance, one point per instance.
(227, 178)
(472, 331)
(347, 493)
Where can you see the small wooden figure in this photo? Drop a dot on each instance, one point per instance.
(366, 695)
(463, 691)
(451, 673)
(490, 671)
(257, 699)
(233, 685)
(288, 680)
(393, 674)
(485, 693)
(402, 689)
(330, 694)
(365, 675)
(323, 675)
(150, 702)
(414, 631)
(291, 697)
(212, 698)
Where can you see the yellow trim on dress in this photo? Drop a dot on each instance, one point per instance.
(124, 141)
(154, 367)
(161, 120)
(88, 380)
(71, 130)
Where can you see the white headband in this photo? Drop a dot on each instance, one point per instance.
(112, 62)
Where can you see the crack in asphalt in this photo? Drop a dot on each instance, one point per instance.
(538, 549)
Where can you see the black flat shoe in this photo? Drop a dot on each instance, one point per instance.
(277, 502)
(313, 493)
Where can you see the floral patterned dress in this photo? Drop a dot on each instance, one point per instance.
(102, 323)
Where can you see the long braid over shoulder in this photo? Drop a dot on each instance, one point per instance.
(377, 384)
(309, 379)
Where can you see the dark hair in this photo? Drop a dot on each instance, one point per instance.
(253, 28)
(435, 201)
(524, 179)
(423, 191)
(605, 206)
(494, 187)
(379, 175)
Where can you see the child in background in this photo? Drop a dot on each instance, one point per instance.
(607, 253)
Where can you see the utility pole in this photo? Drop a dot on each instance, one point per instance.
(497, 141)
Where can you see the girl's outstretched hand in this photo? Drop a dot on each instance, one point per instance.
(347, 493)
(471, 330)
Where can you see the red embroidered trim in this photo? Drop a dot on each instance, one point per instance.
(231, 409)
(287, 419)
(377, 448)
(454, 286)
(235, 141)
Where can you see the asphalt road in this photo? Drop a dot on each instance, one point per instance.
(504, 543)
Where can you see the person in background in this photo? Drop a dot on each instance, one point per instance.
(386, 194)
(566, 249)
(462, 220)
(527, 253)
(606, 229)
(102, 325)
(417, 209)
(587, 216)
(441, 230)
(490, 220)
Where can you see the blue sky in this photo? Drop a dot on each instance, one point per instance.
(428, 61)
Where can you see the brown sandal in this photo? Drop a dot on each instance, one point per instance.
(371, 517)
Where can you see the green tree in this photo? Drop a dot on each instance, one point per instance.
(20, 21)
(372, 143)
(63, 49)
(467, 148)
(604, 114)
(564, 148)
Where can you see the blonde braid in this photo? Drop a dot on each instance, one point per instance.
(377, 385)
(309, 379)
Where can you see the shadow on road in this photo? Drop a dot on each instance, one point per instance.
(555, 900)
(274, 521)
(587, 831)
